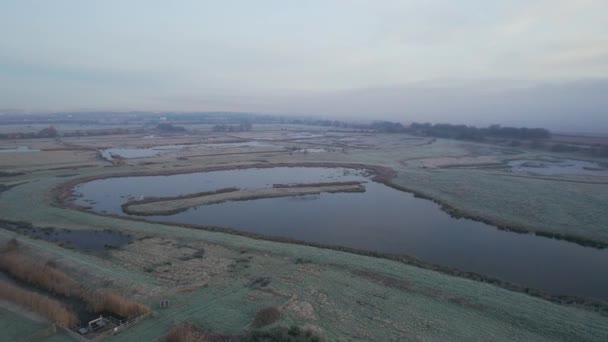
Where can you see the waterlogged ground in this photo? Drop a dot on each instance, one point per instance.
(382, 220)
(558, 167)
(146, 152)
(17, 149)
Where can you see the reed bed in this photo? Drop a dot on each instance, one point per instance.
(52, 309)
(47, 276)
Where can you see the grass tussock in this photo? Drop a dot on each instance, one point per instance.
(101, 300)
(47, 307)
(265, 317)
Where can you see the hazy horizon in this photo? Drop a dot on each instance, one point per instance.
(523, 63)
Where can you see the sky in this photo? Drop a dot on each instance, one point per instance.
(520, 62)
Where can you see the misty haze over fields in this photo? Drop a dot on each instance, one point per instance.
(529, 63)
(304, 171)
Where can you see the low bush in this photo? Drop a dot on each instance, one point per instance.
(266, 317)
(101, 300)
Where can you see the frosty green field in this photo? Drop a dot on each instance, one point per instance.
(347, 296)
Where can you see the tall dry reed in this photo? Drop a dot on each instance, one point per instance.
(53, 310)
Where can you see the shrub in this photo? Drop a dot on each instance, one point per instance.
(266, 317)
(101, 300)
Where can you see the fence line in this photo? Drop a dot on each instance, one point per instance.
(116, 330)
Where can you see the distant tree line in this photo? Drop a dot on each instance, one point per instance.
(241, 127)
(167, 127)
(388, 127)
(465, 132)
(52, 132)
(48, 132)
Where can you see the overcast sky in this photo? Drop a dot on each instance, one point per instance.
(524, 62)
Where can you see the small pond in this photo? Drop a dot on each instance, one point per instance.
(90, 241)
(381, 219)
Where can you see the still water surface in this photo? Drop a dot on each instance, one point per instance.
(382, 219)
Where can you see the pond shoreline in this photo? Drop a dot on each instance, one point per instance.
(63, 195)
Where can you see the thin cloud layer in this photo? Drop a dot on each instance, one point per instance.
(280, 56)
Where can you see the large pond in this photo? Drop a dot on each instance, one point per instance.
(381, 219)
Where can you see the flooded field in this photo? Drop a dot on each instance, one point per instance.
(91, 241)
(18, 149)
(130, 153)
(240, 144)
(556, 167)
(146, 152)
(381, 219)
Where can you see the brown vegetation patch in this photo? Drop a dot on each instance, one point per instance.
(37, 273)
(174, 205)
(266, 316)
(102, 300)
(174, 262)
(385, 280)
(126, 206)
(50, 308)
(46, 275)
